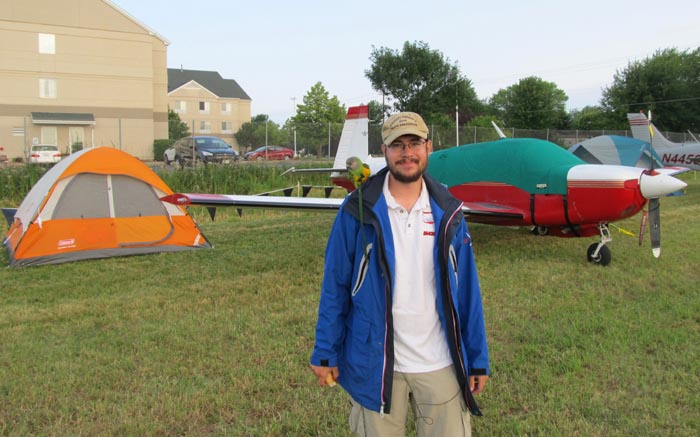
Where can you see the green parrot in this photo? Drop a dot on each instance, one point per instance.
(358, 173)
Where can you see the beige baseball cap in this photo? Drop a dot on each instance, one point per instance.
(403, 123)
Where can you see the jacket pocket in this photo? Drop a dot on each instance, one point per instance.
(453, 263)
(362, 270)
(358, 348)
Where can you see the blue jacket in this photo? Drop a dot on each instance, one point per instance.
(354, 330)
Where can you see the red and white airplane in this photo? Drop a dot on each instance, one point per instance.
(510, 182)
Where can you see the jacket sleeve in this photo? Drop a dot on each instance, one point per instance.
(472, 327)
(335, 291)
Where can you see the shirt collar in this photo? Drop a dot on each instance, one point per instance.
(423, 201)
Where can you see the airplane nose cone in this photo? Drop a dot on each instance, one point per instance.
(658, 185)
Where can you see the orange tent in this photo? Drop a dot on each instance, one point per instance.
(98, 203)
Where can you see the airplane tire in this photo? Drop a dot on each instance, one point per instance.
(604, 256)
(540, 231)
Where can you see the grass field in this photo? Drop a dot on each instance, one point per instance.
(217, 342)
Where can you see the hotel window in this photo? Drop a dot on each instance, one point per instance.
(226, 127)
(47, 88)
(49, 135)
(204, 107)
(47, 43)
(226, 108)
(180, 106)
(204, 126)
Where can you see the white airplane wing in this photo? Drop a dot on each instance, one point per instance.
(250, 201)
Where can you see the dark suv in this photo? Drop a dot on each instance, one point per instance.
(208, 149)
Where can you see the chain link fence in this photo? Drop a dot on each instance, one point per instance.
(321, 140)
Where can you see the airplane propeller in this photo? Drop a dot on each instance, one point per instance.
(653, 206)
(653, 185)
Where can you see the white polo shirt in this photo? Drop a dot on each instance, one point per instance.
(420, 344)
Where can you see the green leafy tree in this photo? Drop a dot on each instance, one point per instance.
(377, 112)
(591, 118)
(532, 103)
(254, 134)
(176, 127)
(313, 118)
(422, 80)
(668, 84)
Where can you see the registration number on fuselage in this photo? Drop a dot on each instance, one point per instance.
(679, 158)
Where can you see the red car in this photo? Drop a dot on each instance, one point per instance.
(273, 152)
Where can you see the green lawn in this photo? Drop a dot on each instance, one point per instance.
(216, 342)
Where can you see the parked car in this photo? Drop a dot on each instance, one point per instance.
(44, 154)
(273, 152)
(208, 149)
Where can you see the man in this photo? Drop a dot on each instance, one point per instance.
(400, 317)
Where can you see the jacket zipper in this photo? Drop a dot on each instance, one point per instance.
(452, 310)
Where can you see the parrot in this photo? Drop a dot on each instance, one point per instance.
(358, 173)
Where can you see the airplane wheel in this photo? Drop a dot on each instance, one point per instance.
(604, 256)
(540, 230)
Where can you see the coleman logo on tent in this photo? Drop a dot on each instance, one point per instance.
(65, 244)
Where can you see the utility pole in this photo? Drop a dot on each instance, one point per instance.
(294, 128)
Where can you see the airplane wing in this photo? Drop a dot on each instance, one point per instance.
(314, 170)
(249, 201)
(491, 212)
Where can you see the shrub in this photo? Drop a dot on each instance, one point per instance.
(159, 147)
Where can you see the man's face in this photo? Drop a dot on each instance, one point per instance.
(407, 157)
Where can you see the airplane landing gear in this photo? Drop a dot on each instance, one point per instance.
(540, 230)
(599, 253)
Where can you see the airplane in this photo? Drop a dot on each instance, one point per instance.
(678, 154)
(508, 182)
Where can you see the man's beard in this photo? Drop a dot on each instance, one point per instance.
(406, 178)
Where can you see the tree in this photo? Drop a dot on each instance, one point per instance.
(314, 116)
(422, 80)
(668, 84)
(176, 127)
(259, 132)
(532, 103)
(377, 112)
(590, 118)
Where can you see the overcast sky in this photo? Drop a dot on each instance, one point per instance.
(277, 50)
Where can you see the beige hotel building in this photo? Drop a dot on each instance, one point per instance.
(84, 73)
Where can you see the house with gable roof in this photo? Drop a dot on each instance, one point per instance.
(208, 103)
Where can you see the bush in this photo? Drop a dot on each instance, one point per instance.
(159, 147)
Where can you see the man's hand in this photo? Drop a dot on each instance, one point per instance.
(477, 383)
(325, 375)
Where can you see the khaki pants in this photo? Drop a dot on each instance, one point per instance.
(437, 404)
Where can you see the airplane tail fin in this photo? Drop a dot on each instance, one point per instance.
(642, 129)
(354, 137)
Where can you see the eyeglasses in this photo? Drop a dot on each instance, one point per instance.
(411, 145)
